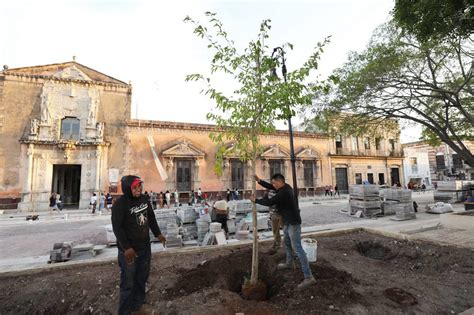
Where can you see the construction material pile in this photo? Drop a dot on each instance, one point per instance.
(173, 239)
(165, 217)
(453, 191)
(398, 202)
(364, 200)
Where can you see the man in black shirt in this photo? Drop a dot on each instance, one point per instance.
(285, 202)
(132, 219)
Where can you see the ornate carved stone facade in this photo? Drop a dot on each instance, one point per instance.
(59, 123)
(66, 128)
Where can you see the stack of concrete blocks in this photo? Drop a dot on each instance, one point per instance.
(453, 191)
(262, 221)
(189, 232)
(261, 208)
(364, 198)
(165, 217)
(240, 206)
(202, 229)
(399, 201)
(173, 239)
(186, 214)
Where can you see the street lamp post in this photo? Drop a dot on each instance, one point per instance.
(281, 54)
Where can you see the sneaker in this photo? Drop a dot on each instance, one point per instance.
(283, 266)
(306, 283)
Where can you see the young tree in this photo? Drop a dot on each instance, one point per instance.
(399, 77)
(258, 100)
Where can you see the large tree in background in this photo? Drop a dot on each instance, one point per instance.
(435, 20)
(258, 100)
(426, 81)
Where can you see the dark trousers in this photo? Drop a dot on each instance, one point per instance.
(222, 219)
(133, 280)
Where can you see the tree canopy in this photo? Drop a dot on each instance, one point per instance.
(434, 19)
(398, 76)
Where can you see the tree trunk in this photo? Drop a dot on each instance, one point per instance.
(254, 274)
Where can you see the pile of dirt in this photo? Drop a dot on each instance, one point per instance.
(355, 273)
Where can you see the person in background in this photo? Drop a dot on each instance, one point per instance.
(132, 220)
(153, 199)
(236, 194)
(160, 199)
(220, 207)
(277, 224)
(326, 190)
(168, 198)
(336, 191)
(415, 206)
(52, 203)
(176, 197)
(59, 202)
(101, 203)
(109, 201)
(192, 200)
(423, 187)
(228, 194)
(199, 195)
(93, 202)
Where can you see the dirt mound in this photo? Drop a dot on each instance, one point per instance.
(375, 250)
(228, 273)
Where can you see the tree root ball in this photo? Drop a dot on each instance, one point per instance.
(257, 292)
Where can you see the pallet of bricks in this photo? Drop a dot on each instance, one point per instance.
(364, 198)
(453, 191)
(398, 202)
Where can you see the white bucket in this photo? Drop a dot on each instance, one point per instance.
(310, 247)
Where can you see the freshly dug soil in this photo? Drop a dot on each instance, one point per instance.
(355, 273)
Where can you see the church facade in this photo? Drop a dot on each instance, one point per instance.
(67, 128)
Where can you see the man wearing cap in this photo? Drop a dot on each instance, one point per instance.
(221, 214)
(132, 219)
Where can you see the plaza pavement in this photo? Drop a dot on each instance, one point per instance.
(26, 244)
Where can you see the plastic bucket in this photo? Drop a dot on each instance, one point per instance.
(310, 247)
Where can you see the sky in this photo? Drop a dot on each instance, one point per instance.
(147, 43)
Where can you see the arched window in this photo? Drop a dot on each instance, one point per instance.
(70, 128)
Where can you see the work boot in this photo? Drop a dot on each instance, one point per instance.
(284, 266)
(306, 283)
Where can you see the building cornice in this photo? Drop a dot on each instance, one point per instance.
(23, 76)
(159, 124)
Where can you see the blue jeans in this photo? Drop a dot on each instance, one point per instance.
(292, 234)
(133, 280)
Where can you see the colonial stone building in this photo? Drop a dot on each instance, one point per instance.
(428, 164)
(66, 128)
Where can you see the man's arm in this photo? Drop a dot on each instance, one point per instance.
(118, 216)
(272, 201)
(265, 184)
(152, 221)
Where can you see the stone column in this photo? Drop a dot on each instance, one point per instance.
(98, 155)
(26, 202)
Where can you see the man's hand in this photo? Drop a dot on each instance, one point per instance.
(162, 239)
(130, 256)
(257, 178)
(252, 198)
